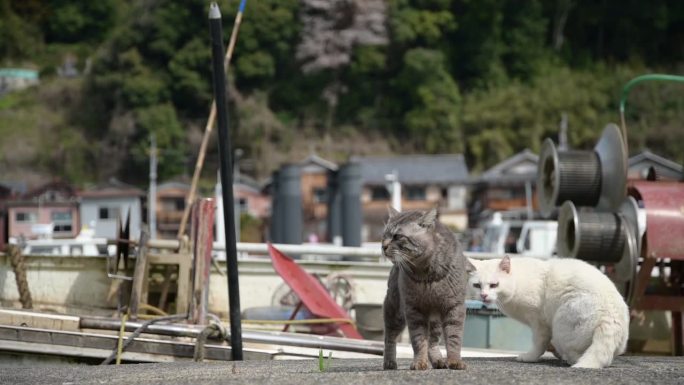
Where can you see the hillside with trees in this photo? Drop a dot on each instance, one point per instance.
(485, 78)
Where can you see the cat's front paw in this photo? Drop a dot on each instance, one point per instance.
(389, 365)
(439, 363)
(457, 364)
(528, 357)
(419, 365)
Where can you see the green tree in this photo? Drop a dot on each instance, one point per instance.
(18, 39)
(500, 121)
(161, 120)
(72, 21)
(433, 101)
(524, 38)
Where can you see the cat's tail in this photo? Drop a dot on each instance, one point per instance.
(609, 340)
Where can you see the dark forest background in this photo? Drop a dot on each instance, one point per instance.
(485, 78)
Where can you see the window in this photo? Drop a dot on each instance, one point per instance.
(26, 217)
(61, 221)
(61, 216)
(415, 193)
(243, 205)
(180, 204)
(173, 204)
(62, 228)
(379, 193)
(320, 195)
(43, 250)
(109, 213)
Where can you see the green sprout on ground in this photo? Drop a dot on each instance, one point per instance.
(323, 363)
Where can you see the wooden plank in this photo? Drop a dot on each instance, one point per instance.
(139, 276)
(184, 263)
(203, 220)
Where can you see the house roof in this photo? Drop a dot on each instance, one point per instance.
(664, 167)
(14, 187)
(318, 163)
(516, 164)
(519, 168)
(59, 191)
(172, 186)
(414, 169)
(112, 188)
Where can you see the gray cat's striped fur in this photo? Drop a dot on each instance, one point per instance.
(426, 289)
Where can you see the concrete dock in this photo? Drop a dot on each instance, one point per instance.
(625, 370)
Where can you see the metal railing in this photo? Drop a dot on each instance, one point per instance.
(332, 250)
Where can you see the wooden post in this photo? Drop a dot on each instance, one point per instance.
(139, 275)
(203, 220)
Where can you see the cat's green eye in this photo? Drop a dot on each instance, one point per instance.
(476, 285)
(494, 285)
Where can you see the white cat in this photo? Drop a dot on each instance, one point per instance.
(566, 302)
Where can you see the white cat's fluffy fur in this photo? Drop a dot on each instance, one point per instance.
(566, 302)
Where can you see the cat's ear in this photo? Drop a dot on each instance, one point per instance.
(505, 264)
(428, 219)
(392, 212)
(470, 266)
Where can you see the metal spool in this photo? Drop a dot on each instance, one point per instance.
(606, 238)
(590, 236)
(625, 270)
(587, 178)
(569, 175)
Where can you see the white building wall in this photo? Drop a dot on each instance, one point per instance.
(456, 197)
(90, 214)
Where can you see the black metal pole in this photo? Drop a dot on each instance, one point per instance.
(226, 172)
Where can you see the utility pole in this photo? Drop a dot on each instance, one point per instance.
(236, 179)
(152, 197)
(394, 187)
(563, 134)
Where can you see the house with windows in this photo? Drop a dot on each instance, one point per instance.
(171, 198)
(14, 79)
(426, 181)
(49, 211)
(314, 182)
(8, 191)
(249, 201)
(104, 205)
(508, 186)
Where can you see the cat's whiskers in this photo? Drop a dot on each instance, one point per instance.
(408, 261)
(403, 263)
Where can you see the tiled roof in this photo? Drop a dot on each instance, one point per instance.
(414, 169)
(648, 155)
(316, 160)
(112, 188)
(507, 167)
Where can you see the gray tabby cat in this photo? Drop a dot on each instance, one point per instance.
(426, 289)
